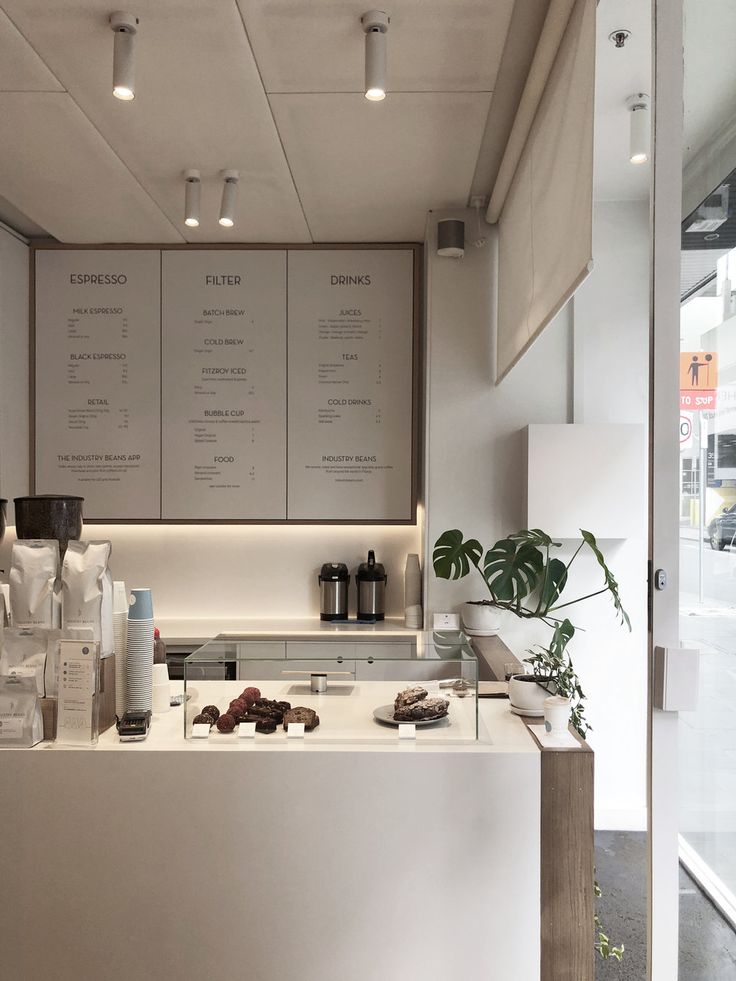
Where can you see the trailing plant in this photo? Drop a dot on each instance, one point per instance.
(603, 944)
(554, 665)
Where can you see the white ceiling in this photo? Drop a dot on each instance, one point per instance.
(272, 88)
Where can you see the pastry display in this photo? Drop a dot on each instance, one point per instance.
(226, 723)
(299, 714)
(422, 710)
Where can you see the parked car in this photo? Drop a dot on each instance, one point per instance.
(722, 529)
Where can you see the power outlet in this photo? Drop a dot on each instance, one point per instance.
(446, 621)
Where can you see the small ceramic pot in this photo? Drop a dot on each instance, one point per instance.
(526, 695)
(557, 714)
(481, 619)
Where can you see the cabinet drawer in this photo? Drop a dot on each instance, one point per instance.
(397, 651)
(313, 650)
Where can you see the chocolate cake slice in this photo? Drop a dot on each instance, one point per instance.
(422, 711)
(409, 696)
(299, 714)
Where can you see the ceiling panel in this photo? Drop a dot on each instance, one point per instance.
(21, 70)
(199, 103)
(66, 179)
(433, 45)
(370, 172)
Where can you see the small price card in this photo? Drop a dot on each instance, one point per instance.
(247, 730)
(201, 730)
(407, 730)
(295, 730)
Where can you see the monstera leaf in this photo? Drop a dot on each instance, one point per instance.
(535, 536)
(512, 569)
(452, 556)
(555, 579)
(611, 583)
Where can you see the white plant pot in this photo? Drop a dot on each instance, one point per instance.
(526, 696)
(481, 619)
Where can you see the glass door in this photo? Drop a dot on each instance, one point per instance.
(707, 433)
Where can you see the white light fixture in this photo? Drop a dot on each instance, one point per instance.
(229, 197)
(192, 188)
(375, 25)
(124, 26)
(639, 128)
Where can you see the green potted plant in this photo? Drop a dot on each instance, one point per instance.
(525, 578)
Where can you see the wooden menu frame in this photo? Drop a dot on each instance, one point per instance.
(417, 251)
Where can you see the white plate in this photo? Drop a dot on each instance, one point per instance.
(385, 713)
(530, 712)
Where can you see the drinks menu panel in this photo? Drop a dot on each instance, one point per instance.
(226, 384)
(350, 384)
(97, 379)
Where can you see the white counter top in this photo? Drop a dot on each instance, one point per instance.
(197, 631)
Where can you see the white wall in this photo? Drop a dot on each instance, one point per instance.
(611, 385)
(14, 343)
(476, 471)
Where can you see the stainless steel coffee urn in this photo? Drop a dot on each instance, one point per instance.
(371, 581)
(333, 587)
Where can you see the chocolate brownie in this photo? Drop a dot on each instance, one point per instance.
(263, 724)
(266, 708)
(299, 714)
(427, 708)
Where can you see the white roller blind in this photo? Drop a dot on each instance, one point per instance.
(545, 228)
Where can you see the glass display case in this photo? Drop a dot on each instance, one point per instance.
(347, 688)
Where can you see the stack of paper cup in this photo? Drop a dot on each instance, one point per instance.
(139, 660)
(161, 688)
(120, 629)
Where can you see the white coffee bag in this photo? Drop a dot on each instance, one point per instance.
(86, 592)
(34, 571)
(23, 654)
(21, 723)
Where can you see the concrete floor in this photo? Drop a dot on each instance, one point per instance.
(707, 943)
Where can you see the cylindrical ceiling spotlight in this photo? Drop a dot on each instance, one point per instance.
(229, 197)
(375, 24)
(639, 135)
(192, 188)
(451, 238)
(124, 27)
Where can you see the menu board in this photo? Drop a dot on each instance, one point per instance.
(223, 384)
(97, 379)
(350, 384)
(235, 384)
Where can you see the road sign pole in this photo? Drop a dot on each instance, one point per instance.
(703, 432)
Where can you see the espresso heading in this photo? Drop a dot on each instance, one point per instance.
(98, 279)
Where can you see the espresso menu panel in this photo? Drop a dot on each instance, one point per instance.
(350, 384)
(97, 379)
(224, 384)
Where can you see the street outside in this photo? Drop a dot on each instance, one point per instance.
(708, 736)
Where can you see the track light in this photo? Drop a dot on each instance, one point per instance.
(451, 238)
(124, 27)
(192, 187)
(375, 25)
(229, 197)
(639, 128)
